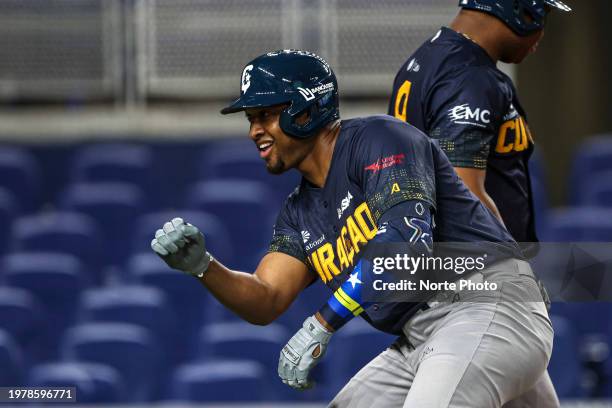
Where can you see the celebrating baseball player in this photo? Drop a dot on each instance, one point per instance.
(368, 182)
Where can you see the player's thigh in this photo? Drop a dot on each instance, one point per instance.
(512, 355)
(382, 383)
(541, 395)
(444, 358)
(482, 355)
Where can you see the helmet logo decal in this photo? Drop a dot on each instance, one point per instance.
(306, 93)
(246, 78)
(309, 93)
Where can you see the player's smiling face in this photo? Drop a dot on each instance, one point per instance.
(280, 151)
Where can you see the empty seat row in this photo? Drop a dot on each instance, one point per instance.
(114, 362)
(140, 361)
(36, 177)
(26, 172)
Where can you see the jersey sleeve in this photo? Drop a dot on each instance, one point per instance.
(393, 164)
(464, 112)
(286, 238)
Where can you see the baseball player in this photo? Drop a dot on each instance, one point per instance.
(365, 182)
(451, 89)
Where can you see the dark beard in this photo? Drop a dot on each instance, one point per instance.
(279, 168)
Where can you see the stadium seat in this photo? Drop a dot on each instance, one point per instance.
(188, 298)
(113, 162)
(114, 206)
(63, 232)
(21, 175)
(246, 208)
(9, 210)
(239, 159)
(217, 235)
(140, 305)
(56, 280)
(564, 367)
(243, 341)
(220, 381)
(94, 383)
(11, 363)
(132, 350)
(23, 317)
(593, 157)
(579, 224)
(599, 191)
(353, 347)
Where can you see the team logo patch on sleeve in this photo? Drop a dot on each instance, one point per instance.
(386, 162)
(465, 115)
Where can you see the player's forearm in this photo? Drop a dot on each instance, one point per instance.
(348, 301)
(486, 199)
(243, 293)
(474, 179)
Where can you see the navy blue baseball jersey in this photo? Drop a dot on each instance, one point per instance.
(452, 90)
(379, 166)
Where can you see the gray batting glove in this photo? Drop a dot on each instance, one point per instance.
(302, 353)
(182, 246)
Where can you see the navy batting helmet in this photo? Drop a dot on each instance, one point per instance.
(514, 12)
(299, 78)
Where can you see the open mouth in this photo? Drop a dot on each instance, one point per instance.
(264, 148)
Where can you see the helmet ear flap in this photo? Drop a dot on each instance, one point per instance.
(320, 112)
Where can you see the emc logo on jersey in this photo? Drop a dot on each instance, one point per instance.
(464, 115)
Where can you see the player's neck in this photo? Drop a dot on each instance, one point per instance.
(480, 28)
(315, 167)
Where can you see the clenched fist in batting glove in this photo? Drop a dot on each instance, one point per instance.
(182, 246)
(302, 353)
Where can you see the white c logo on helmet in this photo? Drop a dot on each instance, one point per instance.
(246, 78)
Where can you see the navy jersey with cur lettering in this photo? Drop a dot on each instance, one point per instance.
(379, 165)
(452, 90)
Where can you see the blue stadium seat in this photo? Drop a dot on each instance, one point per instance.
(188, 298)
(56, 280)
(114, 206)
(217, 236)
(239, 159)
(140, 305)
(11, 363)
(220, 381)
(22, 316)
(94, 383)
(243, 341)
(593, 157)
(113, 162)
(564, 367)
(246, 208)
(20, 174)
(64, 232)
(598, 192)
(9, 210)
(579, 224)
(132, 350)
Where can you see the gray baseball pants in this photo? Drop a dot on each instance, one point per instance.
(481, 349)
